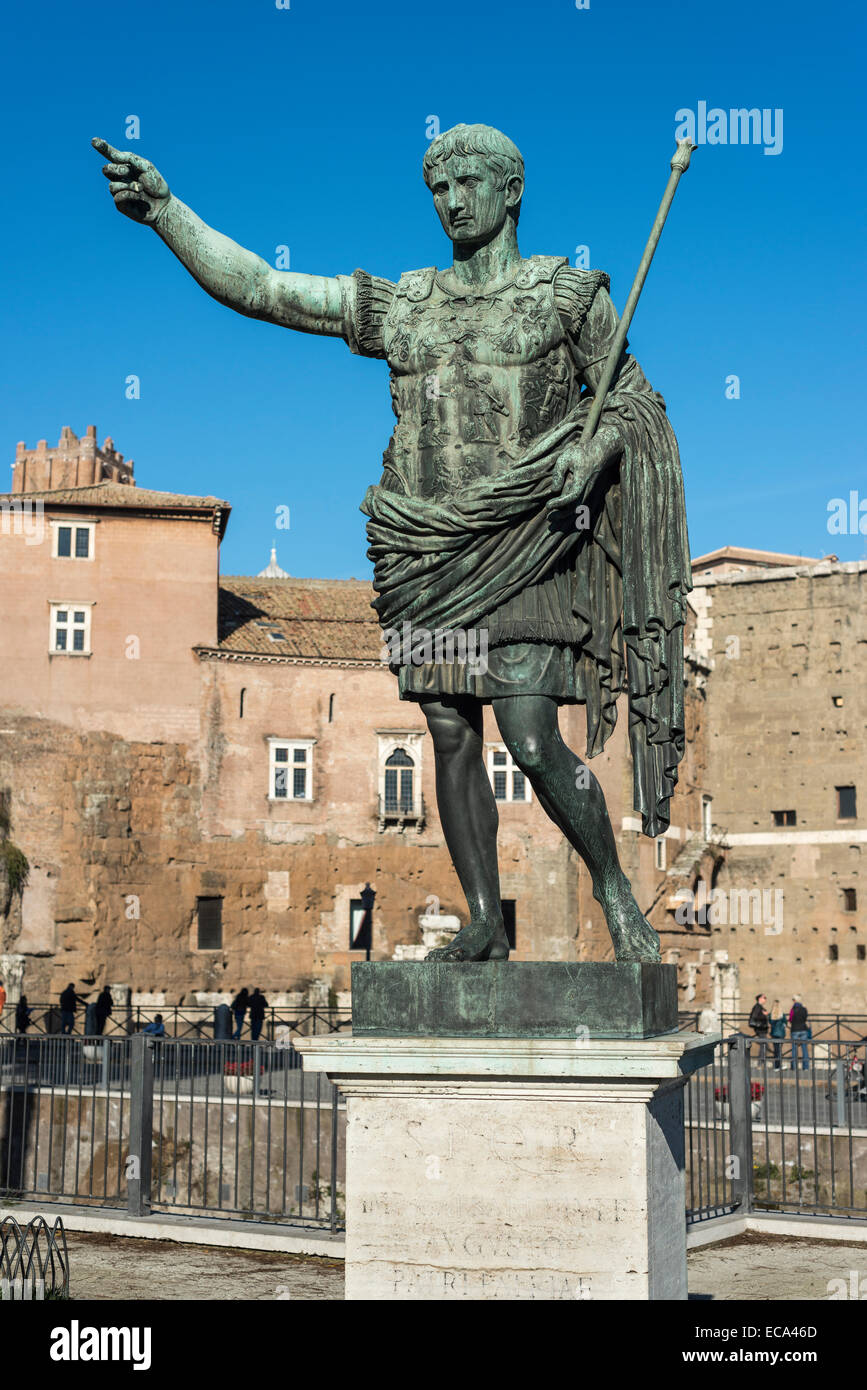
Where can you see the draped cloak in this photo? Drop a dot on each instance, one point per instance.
(466, 559)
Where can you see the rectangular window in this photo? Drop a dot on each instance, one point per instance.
(507, 779)
(209, 916)
(661, 852)
(290, 770)
(861, 952)
(845, 803)
(70, 628)
(399, 777)
(784, 817)
(833, 951)
(72, 540)
(399, 770)
(850, 900)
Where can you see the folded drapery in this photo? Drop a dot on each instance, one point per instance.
(449, 564)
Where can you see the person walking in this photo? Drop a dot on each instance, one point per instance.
(258, 1005)
(240, 1004)
(102, 1009)
(800, 1032)
(22, 1015)
(778, 1032)
(68, 1001)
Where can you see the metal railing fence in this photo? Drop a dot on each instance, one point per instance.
(183, 1021)
(238, 1129)
(778, 1125)
(211, 1128)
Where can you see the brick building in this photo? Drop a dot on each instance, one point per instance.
(205, 772)
(785, 642)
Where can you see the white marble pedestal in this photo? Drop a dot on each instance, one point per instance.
(498, 1168)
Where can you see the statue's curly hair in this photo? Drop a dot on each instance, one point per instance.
(492, 145)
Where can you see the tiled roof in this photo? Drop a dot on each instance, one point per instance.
(110, 494)
(328, 619)
(126, 496)
(772, 558)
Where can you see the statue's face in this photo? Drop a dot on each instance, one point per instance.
(470, 203)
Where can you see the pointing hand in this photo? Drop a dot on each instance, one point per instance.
(139, 190)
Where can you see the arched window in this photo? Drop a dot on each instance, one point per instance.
(399, 768)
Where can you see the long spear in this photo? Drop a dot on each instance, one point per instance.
(679, 165)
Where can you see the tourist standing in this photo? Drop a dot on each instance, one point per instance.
(258, 1005)
(759, 1020)
(239, 1009)
(68, 1001)
(778, 1032)
(102, 1010)
(800, 1032)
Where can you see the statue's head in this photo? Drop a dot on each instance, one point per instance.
(476, 176)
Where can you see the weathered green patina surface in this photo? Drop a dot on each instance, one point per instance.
(518, 999)
(493, 514)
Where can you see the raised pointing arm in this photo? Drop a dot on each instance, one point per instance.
(232, 275)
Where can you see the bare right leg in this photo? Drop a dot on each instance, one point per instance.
(468, 813)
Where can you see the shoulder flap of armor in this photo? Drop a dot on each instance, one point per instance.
(540, 268)
(574, 292)
(416, 284)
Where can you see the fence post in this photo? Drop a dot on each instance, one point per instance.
(106, 1063)
(334, 1137)
(741, 1122)
(141, 1116)
(840, 1078)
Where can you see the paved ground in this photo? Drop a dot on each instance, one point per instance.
(112, 1267)
(774, 1268)
(751, 1266)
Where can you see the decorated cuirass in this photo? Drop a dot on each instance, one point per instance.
(475, 377)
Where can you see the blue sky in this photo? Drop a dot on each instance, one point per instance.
(306, 127)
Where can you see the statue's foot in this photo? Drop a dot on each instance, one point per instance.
(478, 941)
(633, 936)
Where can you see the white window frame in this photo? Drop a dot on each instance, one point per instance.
(67, 605)
(291, 744)
(509, 767)
(410, 741)
(89, 526)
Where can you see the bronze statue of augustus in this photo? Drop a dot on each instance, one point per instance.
(493, 515)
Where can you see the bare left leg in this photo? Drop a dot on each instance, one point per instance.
(573, 798)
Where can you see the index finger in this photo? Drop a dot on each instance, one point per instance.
(119, 156)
